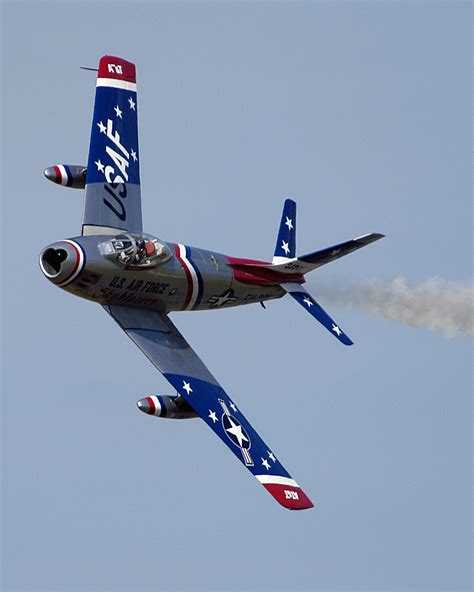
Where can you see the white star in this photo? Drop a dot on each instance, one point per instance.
(233, 407)
(213, 416)
(289, 223)
(118, 112)
(336, 329)
(100, 166)
(134, 155)
(102, 127)
(236, 430)
(335, 251)
(132, 104)
(285, 247)
(308, 302)
(271, 456)
(187, 387)
(221, 300)
(266, 464)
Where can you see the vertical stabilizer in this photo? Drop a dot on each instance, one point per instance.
(285, 247)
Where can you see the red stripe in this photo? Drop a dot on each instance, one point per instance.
(115, 67)
(76, 265)
(188, 277)
(283, 495)
(152, 406)
(57, 172)
(249, 271)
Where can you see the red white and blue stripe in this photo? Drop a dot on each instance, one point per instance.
(63, 175)
(193, 277)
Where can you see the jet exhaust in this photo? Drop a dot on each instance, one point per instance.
(436, 304)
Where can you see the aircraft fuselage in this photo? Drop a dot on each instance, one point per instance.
(189, 279)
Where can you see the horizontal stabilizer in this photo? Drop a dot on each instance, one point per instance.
(298, 266)
(329, 254)
(307, 263)
(314, 309)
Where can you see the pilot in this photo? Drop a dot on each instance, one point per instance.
(149, 248)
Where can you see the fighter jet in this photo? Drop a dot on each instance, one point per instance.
(140, 279)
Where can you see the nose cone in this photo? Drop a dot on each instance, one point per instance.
(62, 262)
(148, 405)
(53, 174)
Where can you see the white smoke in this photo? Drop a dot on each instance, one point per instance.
(435, 304)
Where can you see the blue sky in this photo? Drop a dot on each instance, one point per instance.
(361, 113)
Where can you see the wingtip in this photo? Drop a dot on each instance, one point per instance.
(286, 492)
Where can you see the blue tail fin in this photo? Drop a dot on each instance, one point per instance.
(285, 247)
(113, 200)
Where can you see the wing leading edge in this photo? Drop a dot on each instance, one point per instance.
(169, 352)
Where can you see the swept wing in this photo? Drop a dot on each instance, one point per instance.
(113, 197)
(167, 349)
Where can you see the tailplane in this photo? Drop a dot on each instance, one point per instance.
(306, 263)
(288, 270)
(291, 269)
(309, 303)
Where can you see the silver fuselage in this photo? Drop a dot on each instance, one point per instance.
(191, 279)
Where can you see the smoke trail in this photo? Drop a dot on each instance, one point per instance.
(435, 304)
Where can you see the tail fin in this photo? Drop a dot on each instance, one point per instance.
(285, 248)
(113, 200)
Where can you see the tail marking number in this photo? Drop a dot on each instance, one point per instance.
(115, 68)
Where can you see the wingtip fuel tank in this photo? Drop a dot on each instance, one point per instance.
(174, 407)
(68, 175)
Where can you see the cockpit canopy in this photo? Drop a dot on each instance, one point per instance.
(135, 250)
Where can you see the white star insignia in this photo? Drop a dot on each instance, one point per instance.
(236, 430)
(285, 247)
(335, 251)
(134, 155)
(213, 416)
(132, 103)
(102, 127)
(336, 329)
(233, 407)
(308, 302)
(187, 387)
(118, 112)
(271, 456)
(100, 166)
(266, 464)
(289, 223)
